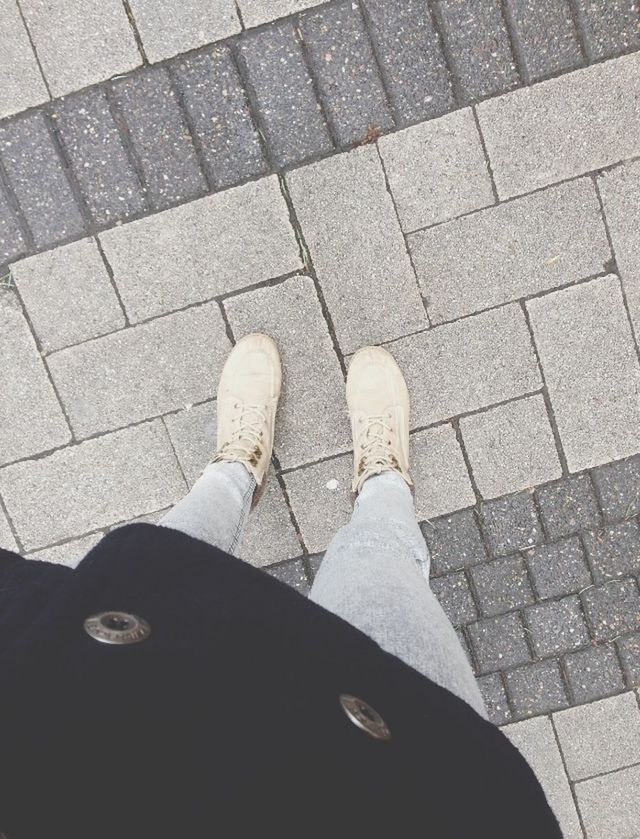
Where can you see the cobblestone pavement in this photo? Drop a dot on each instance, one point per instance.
(459, 182)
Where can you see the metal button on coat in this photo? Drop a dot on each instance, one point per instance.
(364, 716)
(117, 628)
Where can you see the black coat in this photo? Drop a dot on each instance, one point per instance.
(226, 720)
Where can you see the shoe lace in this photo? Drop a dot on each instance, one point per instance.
(246, 439)
(375, 445)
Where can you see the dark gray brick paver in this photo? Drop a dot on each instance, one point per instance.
(593, 674)
(612, 609)
(614, 551)
(557, 626)
(568, 506)
(160, 137)
(629, 649)
(619, 487)
(100, 163)
(536, 689)
(454, 542)
(511, 523)
(410, 51)
(455, 597)
(292, 573)
(216, 102)
(12, 242)
(502, 585)
(495, 698)
(315, 561)
(347, 76)
(462, 638)
(609, 26)
(499, 642)
(37, 177)
(558, 569)
(283, 89)
(478, 43)
(546, 35)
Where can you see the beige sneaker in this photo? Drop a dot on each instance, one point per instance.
(247, 400)
(378, 402)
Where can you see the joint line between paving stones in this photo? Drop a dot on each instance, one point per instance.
(579, 22)
(545, 395)
(12, 527)
(566, 773)
(12, 200)
(514, 43)
(69, 174)
(112, 280)
(35, 51)
(485, 152)
(175, 453)
(455, 424)
(239, 13)
(636, 338)
(379, 63)
(441, 31)
(136, 32)
(404, 238)
(176, 88)
(298, 35)
(135, 162)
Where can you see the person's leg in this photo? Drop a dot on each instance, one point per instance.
(216, 508)
(375, 576)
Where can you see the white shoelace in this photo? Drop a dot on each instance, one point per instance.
(246, 442)
(375, 444)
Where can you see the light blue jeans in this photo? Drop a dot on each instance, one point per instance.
(374, 574)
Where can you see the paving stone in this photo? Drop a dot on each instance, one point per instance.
(313, 385)
(568, 506)
(165, 33)
(618, 486)
(495, 698)
(69, 553)
(411, 56)
(591, 369)
(138, 373)
(619, 189)
(599, 737)
(269, 534)
(283, 89)
(291, 573)
(629, 650)
(440, 474)
(511, 523)
(480, 54)
(454, 595)
(460, 367)
(546, 35)
(21, 83)
(499, 642)
(612, 609)
(209, 247)
(314, 563)
(558, 569)
(89, 486)
(511, 251)
(38, 179)
(109, 184)
(593, 674)
(511, 447)
(30, 415)
(536, 689)
(609, 26)
(216, 102)
(161, 138)
(255, 12)
(557, 626)
(610, 805)
(12, 242)
(320, 497)
(80, 42)
(436, 170)
(542, 134)
(614, 551)
(7, 540)
(454, 542)
(68, 295)
(346, 73)
(536, 741)
(358, 251)
(501, 585)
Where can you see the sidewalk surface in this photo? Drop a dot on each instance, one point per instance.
(459, 181)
